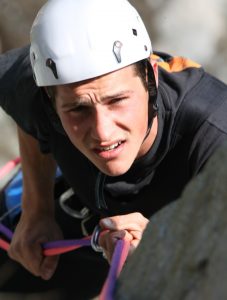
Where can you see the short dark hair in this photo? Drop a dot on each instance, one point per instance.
(141, 71)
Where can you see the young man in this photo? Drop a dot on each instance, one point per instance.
(128, 130)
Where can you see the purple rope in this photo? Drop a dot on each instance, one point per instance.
(6, 232)
(116, 259)
(112, 275)
(55, 244)
(67, 243)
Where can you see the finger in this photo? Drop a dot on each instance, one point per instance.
(110, 237)
(31, 259)
(114, 236)
(136, 234)
(48, 267)
(109, 240)
(133, 221)
(29, 253)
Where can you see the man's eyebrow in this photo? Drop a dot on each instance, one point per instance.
(77, 101)
(74, 102)
(116, 95)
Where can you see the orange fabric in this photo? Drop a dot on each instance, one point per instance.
(175, 64)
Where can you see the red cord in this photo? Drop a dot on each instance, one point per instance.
(4, 245)
(63, 249)
(119, 256)
(9, 167)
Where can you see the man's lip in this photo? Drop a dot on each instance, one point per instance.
(110, 154)
(105, 145)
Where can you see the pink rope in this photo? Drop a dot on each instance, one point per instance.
(118, 260)
(58, 247)
(8, 167)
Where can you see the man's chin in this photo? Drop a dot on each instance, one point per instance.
(113, 170)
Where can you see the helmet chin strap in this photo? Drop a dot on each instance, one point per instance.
(153, 94)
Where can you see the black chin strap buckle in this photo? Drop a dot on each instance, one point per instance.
(153, 95)
(155, 109)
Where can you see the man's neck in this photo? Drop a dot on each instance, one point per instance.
(149, 141)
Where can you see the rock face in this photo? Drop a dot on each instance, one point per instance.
(183, 253)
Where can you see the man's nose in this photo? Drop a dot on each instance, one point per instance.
(102, 126)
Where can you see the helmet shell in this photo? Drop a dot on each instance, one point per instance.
(75, 40)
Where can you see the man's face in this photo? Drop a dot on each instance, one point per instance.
(106, 118)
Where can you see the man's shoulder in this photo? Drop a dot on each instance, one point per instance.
(19, 95)
(17, 85)
(184, 72)
(177, 73)
(207, 98)
(183, 81)
(12, 63)
(173, 64)
(191, 95)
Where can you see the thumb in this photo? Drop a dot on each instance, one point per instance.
(48, 264)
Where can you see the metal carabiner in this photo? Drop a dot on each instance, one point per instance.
(78, 214)
(95, 239)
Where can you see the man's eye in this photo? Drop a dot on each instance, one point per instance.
(118, 100)
(79, 108)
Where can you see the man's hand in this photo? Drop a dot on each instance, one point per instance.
(129, 226)
(37, 224)
(26, 247)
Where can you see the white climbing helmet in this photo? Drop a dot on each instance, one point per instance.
(75, 40)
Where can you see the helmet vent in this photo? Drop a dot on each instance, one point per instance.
(134, 31)
(51, 64)
(145, 47)
(117, 50)
(34, 77)
(33, 56)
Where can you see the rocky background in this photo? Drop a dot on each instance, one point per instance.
(196, 29)
(186, 244)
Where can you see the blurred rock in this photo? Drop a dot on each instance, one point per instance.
(16, 17)
(8, 146)
(183, 251)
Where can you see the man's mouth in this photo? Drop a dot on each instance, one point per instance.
(111, 147)
(110, 151)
